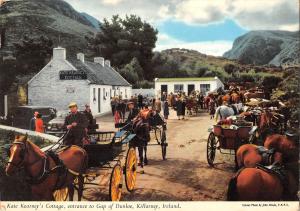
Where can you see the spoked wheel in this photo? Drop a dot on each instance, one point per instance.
(130, 169)
(61, 194)
(115, 185)
(211, 148)
(164, 145)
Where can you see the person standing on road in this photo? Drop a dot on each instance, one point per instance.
(166, 110)
(140, 101)
(77, 124)
(157, 105)
(39, 124)
(89, 116)
(32, 121)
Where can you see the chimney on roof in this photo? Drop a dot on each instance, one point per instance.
(107, 62)
(59, 53)
(80, 56)
(99, 60)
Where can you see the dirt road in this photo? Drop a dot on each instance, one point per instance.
(185, 175)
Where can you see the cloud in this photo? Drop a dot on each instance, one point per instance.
(214, 48)
(249, 14)
(111, 2)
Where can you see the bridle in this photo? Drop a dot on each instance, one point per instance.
(23, 151)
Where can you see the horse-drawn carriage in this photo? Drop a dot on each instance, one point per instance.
(110, 156)
(227, 138)
(58, 170)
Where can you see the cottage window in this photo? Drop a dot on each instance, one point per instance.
(125, 93)
(104, 94)
(204, 88)
(178, 88)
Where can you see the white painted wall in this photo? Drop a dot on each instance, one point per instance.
(104, 99)
(46, 89)
(214, 85)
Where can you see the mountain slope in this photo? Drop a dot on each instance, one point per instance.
(266, 47)
(54, 19)
(92, 20)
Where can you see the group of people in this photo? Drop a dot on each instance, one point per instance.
(76, 123)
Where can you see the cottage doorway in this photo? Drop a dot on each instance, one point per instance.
(191, 87)
(163, 88)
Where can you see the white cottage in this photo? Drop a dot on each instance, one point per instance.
(187, 85)
(64, 80)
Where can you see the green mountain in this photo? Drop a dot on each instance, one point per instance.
(54, 19)
(266, 47)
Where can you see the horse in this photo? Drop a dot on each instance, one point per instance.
(249, 155)
(283, 144)
(47, 172)
(269, 123)
(261, 184)
(141, 128)
(249, 95)
(235, 98)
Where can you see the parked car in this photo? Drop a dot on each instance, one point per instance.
(20, 116)
(55, 126)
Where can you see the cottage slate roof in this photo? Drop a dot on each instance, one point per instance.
(97, 74)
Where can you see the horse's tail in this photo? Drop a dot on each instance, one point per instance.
(232, 194)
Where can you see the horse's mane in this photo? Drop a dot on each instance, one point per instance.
(34, 147)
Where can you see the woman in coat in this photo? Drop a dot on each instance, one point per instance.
(178, 105)
(39, 124)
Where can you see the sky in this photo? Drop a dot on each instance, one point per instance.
(208, 26)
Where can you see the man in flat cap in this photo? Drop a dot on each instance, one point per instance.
(77, 124)
(133, 112)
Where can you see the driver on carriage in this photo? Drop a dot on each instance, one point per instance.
(76, 123)
(133, 112)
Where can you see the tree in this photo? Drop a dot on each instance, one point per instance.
(7, 74)
(230, 68)
(132, 72)
(33, 54)
(121, 40)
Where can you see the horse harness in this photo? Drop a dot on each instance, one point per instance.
(278, 170)
(45, 171)
(266, 154)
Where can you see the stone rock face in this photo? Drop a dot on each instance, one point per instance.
(266, 47)
(54, 19)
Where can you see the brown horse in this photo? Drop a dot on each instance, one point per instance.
(45, 175)
(256, 184)
(235, 97)
(249, 155)
(287, 147)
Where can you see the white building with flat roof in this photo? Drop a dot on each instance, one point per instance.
(187, 85)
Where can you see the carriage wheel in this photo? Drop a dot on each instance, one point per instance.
(115, 184)
(211, 149)
(61, 194)
(164, 145)
(130, 169)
